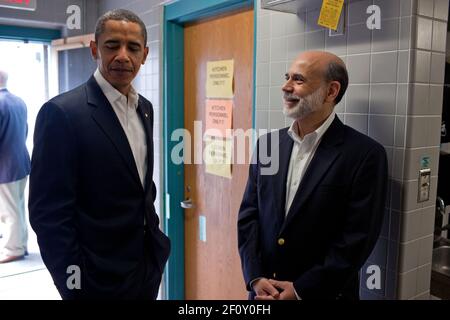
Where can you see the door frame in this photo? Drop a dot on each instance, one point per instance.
(175, 16)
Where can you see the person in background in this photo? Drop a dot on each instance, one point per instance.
(14, 171)
(91, 184)
(306, 231)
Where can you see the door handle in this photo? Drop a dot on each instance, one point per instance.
(187, 204)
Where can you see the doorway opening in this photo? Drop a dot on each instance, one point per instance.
(27, 66)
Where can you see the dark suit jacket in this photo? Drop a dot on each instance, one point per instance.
(333, 222)
(87, 204)
(14, 157)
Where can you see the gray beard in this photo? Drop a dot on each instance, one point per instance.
(305, 105)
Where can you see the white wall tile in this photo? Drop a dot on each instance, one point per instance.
(295, 45)
(427, 221)
(382, 99)
(357, 11)
(262, 74)
(400, 130)
(276, 101)
(405, 7)
(425, 8)
(423, 278)
(311, 20)
(389, 8)
(421, 66)
(336, 44)
(277, 72)
(277, 24)
(315, 40)
(263, 27)
(381, 128)
(436, 99)
(278, 49)
(416, 127)
(403, 66)
(402, 98)
(424, 33)
(386, 38)
(276, 120)
(419, 99)
(439, 36)
(407, 31)
(425, 250)
(263, 51)
(359, 38)
(409, 256)
(294, 24)
(357, 122)
(357, 99)
(411, 225)
(358, 67)
(262, 98)
(262, 120)
(384, 67)
(407, 284)
(437, 70)
(434, 131)
(398, 165)
(441, 9)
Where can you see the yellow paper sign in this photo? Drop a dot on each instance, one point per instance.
(219, 79)
(219, 117)
(218, 154)
(330, 13)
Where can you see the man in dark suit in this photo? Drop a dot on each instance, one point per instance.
(305, 231)
(91, 186)
(14, 170)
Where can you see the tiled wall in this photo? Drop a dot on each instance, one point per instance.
(148, 82)
(395, 96)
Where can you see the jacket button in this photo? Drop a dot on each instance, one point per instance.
(281, 241)
(274, 275)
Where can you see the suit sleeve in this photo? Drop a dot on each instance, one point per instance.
(52, 200)
(248, 227)
(360, 231)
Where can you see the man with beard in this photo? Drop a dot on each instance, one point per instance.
(305, 231)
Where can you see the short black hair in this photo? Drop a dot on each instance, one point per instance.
(337, 72)
(119, 15)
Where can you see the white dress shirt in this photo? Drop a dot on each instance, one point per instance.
(126, 110)
(302, 153)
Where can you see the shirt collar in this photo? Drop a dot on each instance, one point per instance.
(317, 134)
(112, 94)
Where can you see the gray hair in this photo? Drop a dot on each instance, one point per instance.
(3, 78)
(119, 15)
(337, 72)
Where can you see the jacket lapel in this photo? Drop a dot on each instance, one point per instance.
(284, 154)
(107, 120)
(325, 155)
(146, 117)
